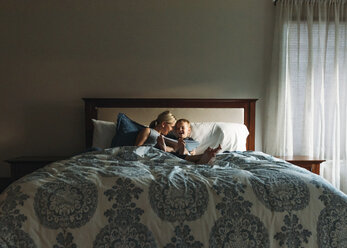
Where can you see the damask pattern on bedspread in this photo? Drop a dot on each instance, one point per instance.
(143, 197)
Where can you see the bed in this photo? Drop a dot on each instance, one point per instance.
(143, 197)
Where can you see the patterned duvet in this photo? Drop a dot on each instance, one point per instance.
(143, 197)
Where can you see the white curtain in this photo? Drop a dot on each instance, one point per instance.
(307, 99)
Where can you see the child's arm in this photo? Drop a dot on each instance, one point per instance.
(182, 150)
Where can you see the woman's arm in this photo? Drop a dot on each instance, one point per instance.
(142, 136)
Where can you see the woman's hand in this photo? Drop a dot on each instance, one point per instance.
(161, 143)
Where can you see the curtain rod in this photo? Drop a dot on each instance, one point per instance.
(275, 1)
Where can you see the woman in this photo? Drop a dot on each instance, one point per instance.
(152, 135)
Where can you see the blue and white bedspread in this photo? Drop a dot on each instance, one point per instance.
(143, 197)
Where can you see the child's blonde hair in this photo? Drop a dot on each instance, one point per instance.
(184, 121)
(166, 116)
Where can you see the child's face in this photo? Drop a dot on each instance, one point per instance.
(182, 130)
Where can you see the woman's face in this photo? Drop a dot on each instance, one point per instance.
(167, 127)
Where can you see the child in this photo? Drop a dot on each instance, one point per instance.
(181, 133)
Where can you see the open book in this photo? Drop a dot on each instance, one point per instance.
(190, 144)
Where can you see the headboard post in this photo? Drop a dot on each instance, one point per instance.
(251, 126)
(90, 112)
(92, 105)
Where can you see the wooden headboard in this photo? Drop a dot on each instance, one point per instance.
(93, 104)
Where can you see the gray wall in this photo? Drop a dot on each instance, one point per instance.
(53, 53)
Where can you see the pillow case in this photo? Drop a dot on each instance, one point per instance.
(231, 136)
(103, 133)
(126, 131)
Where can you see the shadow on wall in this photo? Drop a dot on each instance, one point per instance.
(42, 129)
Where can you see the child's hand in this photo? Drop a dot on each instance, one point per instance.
(181, 141)
(181, 145)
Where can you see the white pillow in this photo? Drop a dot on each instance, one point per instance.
(103, 133)
(231, 136)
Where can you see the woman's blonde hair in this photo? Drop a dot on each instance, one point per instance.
(166, 116)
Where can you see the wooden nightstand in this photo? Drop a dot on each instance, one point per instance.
(309, 163)
(21, 166)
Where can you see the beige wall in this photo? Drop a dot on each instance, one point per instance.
(53, 53)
